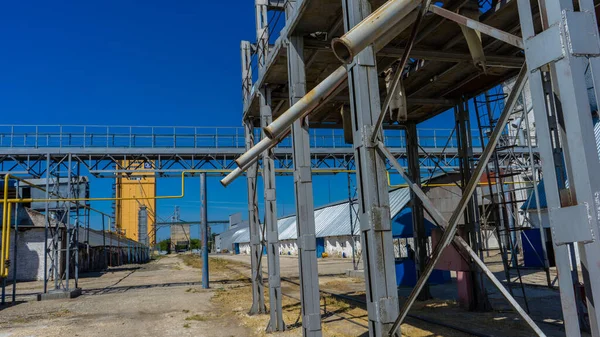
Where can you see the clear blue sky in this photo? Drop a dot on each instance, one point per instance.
(138, 63)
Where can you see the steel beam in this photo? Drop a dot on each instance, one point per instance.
(420, 236)
(258, 299)
(374, 211)
(471, 220)
(204, 219)
(451, 229)
(305, 218)
(478, 26)
(268, 173)
(573, 215)
(460, 243)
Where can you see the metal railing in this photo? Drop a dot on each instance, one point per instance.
(100, 136)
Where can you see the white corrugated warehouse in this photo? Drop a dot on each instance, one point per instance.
(335, 224)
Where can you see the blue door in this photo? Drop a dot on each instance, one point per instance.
(320, 247)
(236, 247)
(265, 250)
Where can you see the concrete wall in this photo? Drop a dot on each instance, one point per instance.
(336, 246)
(30, 255)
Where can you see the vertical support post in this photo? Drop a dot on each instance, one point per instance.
(305, 217)
(75, 233)
(68, 218)
(418, 215)
(375, 222)
(143, 225)
(575, 207)
(276, 323)
(204, 219)
(352, 222)
(15, 250)
(46, 223)
(258, 298)
(474, 281)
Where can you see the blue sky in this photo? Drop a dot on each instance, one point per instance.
(138, 63)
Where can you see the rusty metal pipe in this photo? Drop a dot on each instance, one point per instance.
(371, 28)
(307, 103)
(320, 92)
(251, 156)
(311, 101)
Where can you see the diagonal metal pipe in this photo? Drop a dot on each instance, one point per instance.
(262, 146)
(319, 93)
(372, 27)
(314, 98)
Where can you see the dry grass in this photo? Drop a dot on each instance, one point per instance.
(234, 303)
(197, 317)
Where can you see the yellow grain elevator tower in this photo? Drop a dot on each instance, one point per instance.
(136, 185)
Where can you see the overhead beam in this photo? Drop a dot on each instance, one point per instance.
(431, 55)
(411, 101)
(478, 26)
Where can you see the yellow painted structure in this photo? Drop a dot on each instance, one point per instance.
(135, 185)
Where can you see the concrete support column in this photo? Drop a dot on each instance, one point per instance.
(258, 297)
(418, 215)
(305, 218)
(276, 323)
(374, 209)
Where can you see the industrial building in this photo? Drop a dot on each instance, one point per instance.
(342, 87)
(127, 212)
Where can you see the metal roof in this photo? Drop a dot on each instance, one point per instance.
(330, 220)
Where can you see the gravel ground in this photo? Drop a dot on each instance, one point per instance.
(162, 298)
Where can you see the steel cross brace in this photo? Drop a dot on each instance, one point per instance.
(478, 26)
(452, 225)
(460, 242)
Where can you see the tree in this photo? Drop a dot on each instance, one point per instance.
(195, 244)
(164, 245)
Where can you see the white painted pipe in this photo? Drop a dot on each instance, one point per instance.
(313, 99)
(320, 92)
(371, 28)
(255, 151)
(307, 103)
(233, 175)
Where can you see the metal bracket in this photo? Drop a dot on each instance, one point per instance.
(303, 174)
(387, 308)
(564, 37)
(580, 33)
(572, 224)
(367, 132)
(307, 243)
(272, 237)
(270, 194)
(545, 47)
(311, 322)
(366, 57)
(274, 279)
(380, 218)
